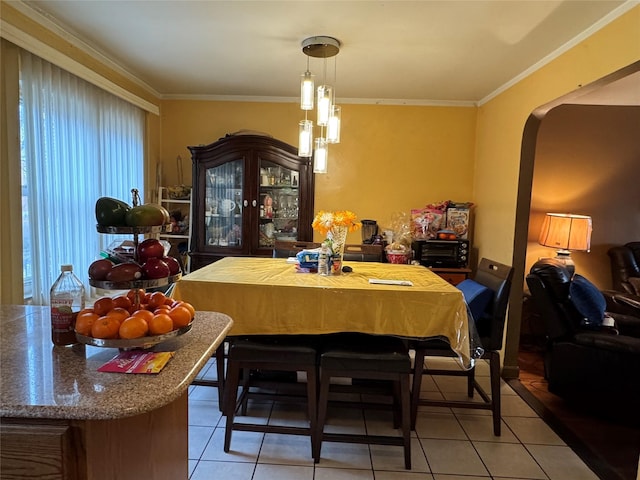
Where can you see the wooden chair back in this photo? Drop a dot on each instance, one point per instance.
(283, 249)
(363, 253)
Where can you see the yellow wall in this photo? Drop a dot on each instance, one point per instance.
(501, 122)
(390, 159)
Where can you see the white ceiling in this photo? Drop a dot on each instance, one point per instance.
(392, 51)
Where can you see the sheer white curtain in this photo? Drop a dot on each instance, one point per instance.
(78, 143)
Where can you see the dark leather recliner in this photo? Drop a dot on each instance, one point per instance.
(625, 274)
(625, 263)
(594, 368)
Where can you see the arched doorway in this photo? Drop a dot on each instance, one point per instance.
(619, 89)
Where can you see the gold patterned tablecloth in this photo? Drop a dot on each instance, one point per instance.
(267, 296)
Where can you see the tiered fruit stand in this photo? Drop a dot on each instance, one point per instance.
(136, 285)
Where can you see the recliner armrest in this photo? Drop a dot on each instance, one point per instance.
(606, 341)
(624, 303)
(626, 324)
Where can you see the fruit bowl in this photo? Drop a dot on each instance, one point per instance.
(133, 230)
(133, 343)
(146, 283)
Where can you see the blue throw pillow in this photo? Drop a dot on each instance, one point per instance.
(477, 297)
(588, 300)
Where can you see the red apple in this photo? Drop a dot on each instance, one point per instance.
(173, 264)
(155, 268)
(99, 269)
(124, 272)
(150, 248)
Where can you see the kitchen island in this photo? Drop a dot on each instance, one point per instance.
(61, 418)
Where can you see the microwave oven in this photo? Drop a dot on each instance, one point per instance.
(442, 253)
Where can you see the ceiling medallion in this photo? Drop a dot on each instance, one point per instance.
(320, 47)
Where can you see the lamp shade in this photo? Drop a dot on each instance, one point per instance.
(566, 231)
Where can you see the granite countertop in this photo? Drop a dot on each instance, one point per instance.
(39, 380)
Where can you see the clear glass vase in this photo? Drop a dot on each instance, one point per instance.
(338, 237)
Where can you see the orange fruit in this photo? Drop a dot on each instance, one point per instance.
(146, 315)
(135, 295)
(103, 305)
(133, 327)
(160, 324)
(156, 299)
(190, 307)
(162, 309)
(105, 327)
(180, 315)
(122, 301)
(119, 314)
(84, 321)
(169, 301)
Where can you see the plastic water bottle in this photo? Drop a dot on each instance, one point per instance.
(323, 259)
(66, 300)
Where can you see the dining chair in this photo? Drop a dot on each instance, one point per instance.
(285, 249)
(279, 353)
(257, 362)
(371, 358)
(487, 296)
(282, 249)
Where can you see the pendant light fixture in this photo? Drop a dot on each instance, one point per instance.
(328, 114)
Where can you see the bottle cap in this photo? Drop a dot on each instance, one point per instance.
(66, 268)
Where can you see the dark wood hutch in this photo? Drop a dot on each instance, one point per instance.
(248, 192)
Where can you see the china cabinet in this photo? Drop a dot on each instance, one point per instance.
(248, 192)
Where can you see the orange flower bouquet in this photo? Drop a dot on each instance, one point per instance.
(336, 225)
(325, 222)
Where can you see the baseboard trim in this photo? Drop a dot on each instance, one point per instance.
(509, 372)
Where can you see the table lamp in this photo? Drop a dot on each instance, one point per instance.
(566, 232)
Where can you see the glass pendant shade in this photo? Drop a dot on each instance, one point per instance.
(305, 138)
(333, 125)
(320, 156)
(306, 91)
(325, 98)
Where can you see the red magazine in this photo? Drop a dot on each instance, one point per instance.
(136, 361)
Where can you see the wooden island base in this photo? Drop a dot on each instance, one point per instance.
(63, 418)
(150, 445)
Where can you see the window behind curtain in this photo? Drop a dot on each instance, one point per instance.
(78, 143)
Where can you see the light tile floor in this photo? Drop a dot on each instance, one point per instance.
(448, 444)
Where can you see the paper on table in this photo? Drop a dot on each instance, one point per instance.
(135, 361)
(404, 283)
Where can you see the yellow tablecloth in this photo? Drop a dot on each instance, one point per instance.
(268, 296)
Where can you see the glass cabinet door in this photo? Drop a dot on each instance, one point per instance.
(279, 200)
(223, 205)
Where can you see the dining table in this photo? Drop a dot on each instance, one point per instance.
(272, 296)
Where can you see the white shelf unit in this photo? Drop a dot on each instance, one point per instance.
(185, 206)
